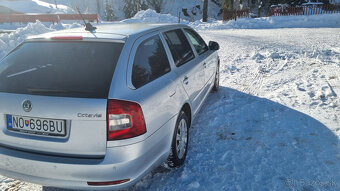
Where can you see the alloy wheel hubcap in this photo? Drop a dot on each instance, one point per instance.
(181, 138)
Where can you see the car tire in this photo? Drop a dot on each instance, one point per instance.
(217, 79)
(179, 146)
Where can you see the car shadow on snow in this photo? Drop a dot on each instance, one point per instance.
(243, 142)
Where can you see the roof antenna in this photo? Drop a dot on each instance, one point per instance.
(88, 25)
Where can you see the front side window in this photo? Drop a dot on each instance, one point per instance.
(197, 41)
(150, 62)
(179, 47)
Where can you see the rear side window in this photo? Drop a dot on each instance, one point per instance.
(179, 47)
(150, 62)
(65, 69)
(197, 41)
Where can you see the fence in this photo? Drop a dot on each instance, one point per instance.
(304, 10)
(54, 18)
(234, 14)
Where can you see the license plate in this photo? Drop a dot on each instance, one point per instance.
(38, 126)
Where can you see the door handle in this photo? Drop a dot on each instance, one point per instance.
(186, 80)
(171, 88)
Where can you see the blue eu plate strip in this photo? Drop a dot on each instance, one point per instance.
(9, 121)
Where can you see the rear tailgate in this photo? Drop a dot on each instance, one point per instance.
(57, 83)
(85, 125)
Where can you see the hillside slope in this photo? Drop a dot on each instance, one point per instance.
(194, 7)
(34, 6)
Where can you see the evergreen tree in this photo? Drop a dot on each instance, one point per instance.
(144, 6)
(228, 4)
(109, 12)
(155, 4)
(132, 7)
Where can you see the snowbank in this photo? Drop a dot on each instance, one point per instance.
(150, 16)
(173, 7)
(10, 41)
(311, 21)
(194, 9)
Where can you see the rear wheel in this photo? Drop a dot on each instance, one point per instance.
(179, 147)
(217, 80)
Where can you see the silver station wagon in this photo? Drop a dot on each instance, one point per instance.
(99, 109)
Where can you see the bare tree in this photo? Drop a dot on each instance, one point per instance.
(56, 5)
(205, 11)
(98, 6)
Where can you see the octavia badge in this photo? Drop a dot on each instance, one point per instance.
(27, 105)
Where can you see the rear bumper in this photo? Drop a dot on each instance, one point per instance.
(125, 162)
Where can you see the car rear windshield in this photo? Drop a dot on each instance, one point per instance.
(65, 69)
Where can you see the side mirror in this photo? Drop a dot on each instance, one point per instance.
(214, 45)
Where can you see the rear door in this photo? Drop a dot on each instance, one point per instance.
(152, 80)
(189, 71)
(53, 96)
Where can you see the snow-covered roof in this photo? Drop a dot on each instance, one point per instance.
(132, 28)
(112, 31)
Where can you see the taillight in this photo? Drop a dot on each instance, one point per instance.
(124, 120)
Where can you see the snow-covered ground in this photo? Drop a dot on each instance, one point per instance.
(274, 124)
(10, 41)
(310, 21)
